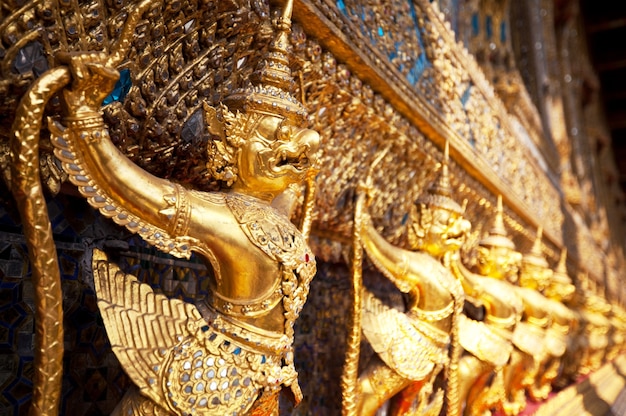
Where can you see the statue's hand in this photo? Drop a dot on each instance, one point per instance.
(92, 81)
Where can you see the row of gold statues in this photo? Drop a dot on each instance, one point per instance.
(471, 340)
(524, 327)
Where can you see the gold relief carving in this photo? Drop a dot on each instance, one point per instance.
(544, 331)
(340, 100)
(560, 337)
(181, 69)
(480, 96)
(342, 137)
(593, 311)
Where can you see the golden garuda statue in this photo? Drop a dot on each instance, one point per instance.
(618, 340)
(530, 334)
(558, 339)
(413, 345)
(230, 353)
(487, 340)
(577, 343)
(594, 310)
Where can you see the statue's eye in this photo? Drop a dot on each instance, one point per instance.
(284, 132)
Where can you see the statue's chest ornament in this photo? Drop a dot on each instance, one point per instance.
(268, 230)
(280, 240)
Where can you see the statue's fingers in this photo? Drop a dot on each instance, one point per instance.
(77, 67)
(72, 61)
(103, 71)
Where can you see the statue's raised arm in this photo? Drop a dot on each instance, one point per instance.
(259, 149)
(146, 204)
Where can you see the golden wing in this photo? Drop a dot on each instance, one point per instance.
(143, 326)
(402, 342)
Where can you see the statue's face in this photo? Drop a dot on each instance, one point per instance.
(275, 155)
(499, 262)
(535, 277)
(561, 291)
(446, 232)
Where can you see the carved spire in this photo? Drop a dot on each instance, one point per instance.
(439, 194)
(560, 274)
(561, 268)
(269, 88)
(535, 256)
(497, 236)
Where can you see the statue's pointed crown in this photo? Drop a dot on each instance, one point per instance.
(269, 89)
(497, 236)
(560, 274)
(439, 194)
(535, 256)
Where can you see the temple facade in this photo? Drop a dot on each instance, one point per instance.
(458, 238)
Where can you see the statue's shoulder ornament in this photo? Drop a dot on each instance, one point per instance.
(273, 233)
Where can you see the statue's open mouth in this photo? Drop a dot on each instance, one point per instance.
(299, 161)
(454, 242)
(455, 239)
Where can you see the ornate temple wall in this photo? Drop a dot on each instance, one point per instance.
(498, 80)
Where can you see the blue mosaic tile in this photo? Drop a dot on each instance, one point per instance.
(121, 89)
